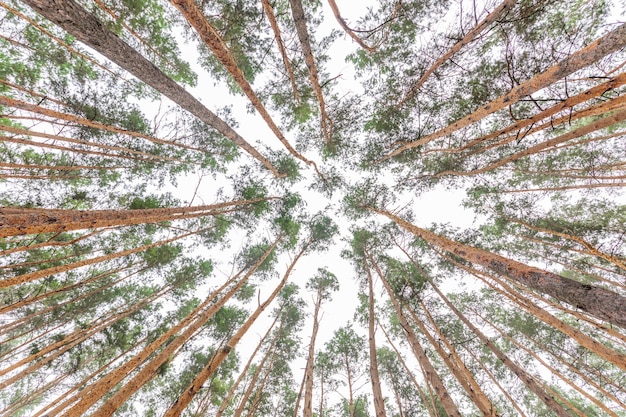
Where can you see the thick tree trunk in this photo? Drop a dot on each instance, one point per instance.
(58, 221)
(527, 304)
(77, 21)
(599, 302)
(593, 52)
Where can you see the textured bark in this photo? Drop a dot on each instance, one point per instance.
(526, 378)
(379, 404)
(303, 35)
(593, 52)
(455, 364)
(14, 223)
(527, 304)
(502, 9)
(598, 302)
(430, 373)
(185, 398)
(56, 39)
(72, 17)
(213, 40)
(269, 12)
(193, 322)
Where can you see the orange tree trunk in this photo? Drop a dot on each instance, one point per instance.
(185, 398)
(78, 22)
(14, 223)
(599, 302)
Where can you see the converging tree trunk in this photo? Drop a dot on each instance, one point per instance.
(599, 302)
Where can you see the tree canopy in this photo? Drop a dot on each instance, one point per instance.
(224, 208)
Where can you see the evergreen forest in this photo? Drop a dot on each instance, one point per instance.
(224, 208)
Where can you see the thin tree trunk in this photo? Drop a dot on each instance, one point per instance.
(82, 121)
(526, 378)
(456, 364)
(194, 321)
(552, 370)
(257, 373)
(502, 9)
(593, 52)
(599, 302)
(213, 40)
(299, 18)
(72, 17)
(409, 373)
(495, 381)
(602, 123)
(310, 360)
(243, 372)
(347, 29)
(185, 398)
(430, 373)
(32, 276)
(379, 404)
(269, 12)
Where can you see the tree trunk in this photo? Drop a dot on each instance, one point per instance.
(185, 398)
(269, 12)
(599, 302)
(213, 40)
(593, 52)
(498, 12)
(526, 378)
(429, 371)
(527, 304)
(299, 19)
(310, 360)
(32, 276)
(196, 319)
(243, 372)
(72, 17)
(58, 221)
(379, 404)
